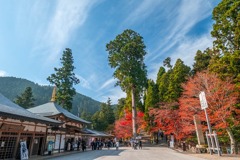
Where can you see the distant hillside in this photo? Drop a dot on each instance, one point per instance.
(11, 87)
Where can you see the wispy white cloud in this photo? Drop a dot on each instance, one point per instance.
(83, 82)
(188, 15)
(67, 17)
(142, 11)
(108, 83)
(114, 94)
(185, 51)
(3, 73)
(176, 43)
(188, 48)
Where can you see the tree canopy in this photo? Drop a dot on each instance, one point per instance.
(221, 96)
(226, 31)
(64, 79)
(103, 118)
(26, 99)
(126, 55)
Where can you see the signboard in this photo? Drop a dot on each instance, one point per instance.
(50, 138)
(57, 141)
(62, 142)
(24, 150)
(199, 131)
(203, 100)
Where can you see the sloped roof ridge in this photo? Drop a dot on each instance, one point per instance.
(54, 109)
(45, 108)
(69, 114)
(7, 107)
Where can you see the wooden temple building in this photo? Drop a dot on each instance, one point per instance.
(45, 128)
(66, 136)
(19, 125)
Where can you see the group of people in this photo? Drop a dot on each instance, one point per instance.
(136, 144)
(70, 145)
(97, 144)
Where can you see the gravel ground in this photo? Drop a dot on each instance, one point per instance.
(216, 157)
(212, 157)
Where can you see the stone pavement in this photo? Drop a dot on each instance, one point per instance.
(57, 155)
(127, 153)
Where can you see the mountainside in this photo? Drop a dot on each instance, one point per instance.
(10, 87)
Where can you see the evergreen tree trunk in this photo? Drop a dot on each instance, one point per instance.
(232, 141)
(134, 114)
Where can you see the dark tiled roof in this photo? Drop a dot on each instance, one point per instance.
(95, 133)
(12, 110)
(51, 108)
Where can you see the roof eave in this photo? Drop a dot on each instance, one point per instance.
(14, 116)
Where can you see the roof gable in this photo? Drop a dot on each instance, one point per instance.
(53, 109)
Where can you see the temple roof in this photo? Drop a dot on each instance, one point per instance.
(95, 133)
(11, 110)
(52, 108)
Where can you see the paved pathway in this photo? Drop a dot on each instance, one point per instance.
(126, 153)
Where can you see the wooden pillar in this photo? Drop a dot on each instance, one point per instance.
(16, 145)
(32, 143)
(45, 140)
(17, 142)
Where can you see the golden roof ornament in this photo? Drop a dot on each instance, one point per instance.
(53, 99)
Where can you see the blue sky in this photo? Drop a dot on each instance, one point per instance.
(34, 33)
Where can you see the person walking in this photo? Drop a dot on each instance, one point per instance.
(83, 145)
(108, 144)
(140, 144)
(92, 145)
(117, 145)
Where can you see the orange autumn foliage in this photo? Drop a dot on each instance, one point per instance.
(123, 126)
(167, 120)
(221, 97)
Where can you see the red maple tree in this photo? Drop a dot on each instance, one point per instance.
(167, 120)
(221, 96)
(123, 126)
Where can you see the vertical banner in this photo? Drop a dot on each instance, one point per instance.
(57, 141)
(23, 150)
(62, 142)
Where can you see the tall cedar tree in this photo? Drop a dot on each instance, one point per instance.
(99, 121)
(151, 101)
(180, 73)
(170, 82)
(202, 60)
(151, 95)
(64, 79)
(221, 97)
(163, 83)
(26, 99)
(119, 112)
(226, 31)
(126, 55)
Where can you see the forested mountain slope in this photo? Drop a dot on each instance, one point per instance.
(11, 87)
